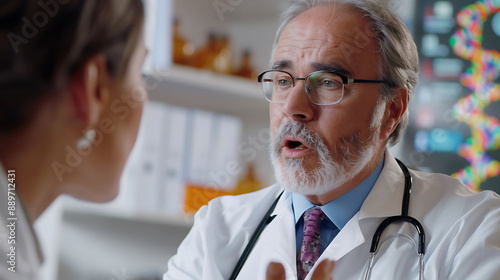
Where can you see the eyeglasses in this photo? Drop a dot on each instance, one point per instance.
(322, 87)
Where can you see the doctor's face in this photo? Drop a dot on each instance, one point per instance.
(318, 148)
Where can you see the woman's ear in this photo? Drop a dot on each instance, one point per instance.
(90, 90)
(394, 111)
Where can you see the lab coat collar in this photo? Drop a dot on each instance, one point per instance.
(389, 185)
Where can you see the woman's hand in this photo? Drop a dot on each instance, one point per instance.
(276, 271)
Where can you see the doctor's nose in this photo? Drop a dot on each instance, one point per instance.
(297, 106)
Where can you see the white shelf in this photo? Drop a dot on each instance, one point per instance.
(224, 85)
(92, 210)
(190, 87)
(108, 244)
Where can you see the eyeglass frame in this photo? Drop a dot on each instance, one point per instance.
(345, 81)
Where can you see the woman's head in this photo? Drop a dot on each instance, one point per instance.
(67, 68)
(44, 43)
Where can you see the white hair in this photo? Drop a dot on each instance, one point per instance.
(398, 52)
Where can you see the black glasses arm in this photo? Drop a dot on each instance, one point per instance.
(352, 81)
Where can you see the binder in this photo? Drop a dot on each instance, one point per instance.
(149, 158)
(172, 163)
(226, 168)
(201, 141)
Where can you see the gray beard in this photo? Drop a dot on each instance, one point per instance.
(353, 154)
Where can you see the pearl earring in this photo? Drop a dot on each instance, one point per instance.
(86, 140)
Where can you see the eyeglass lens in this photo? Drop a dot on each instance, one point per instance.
(322, 88)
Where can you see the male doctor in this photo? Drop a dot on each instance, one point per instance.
(342, 74)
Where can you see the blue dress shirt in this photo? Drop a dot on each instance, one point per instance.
(338, 212)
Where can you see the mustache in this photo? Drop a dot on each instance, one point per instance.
(306, 134)
(298, 130)
(312, 138)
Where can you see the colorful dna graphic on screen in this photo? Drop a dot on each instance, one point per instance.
(480, 78)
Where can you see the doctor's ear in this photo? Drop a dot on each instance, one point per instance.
(394, 111)
(90, 90)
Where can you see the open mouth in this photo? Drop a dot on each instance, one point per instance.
(294, 143)
(297, 145)
(294, 147)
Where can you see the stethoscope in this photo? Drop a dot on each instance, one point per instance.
(376, 237)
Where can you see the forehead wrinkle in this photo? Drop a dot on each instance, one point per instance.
(306, 44)
(319, 48)
(325, 40)
(331, 40)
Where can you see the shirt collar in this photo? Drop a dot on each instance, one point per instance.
(342, 209)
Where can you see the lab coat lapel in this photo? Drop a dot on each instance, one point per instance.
(389, 185)
(387, 191)
(276, 243)
(348, 238)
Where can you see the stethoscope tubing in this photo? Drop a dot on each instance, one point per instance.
(395, 219)
(253, 240)
(404, 217)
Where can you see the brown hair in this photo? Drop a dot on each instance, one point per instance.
(43, 43)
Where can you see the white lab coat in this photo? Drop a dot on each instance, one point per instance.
(462, 232)
(28, 257)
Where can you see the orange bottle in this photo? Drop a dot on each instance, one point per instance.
(183, 50)
(245, 69)
(249, 183)
(223, 58)
(204, 57)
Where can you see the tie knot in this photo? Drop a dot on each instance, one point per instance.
(313, 216)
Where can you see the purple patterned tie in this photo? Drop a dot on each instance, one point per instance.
(309, 252)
